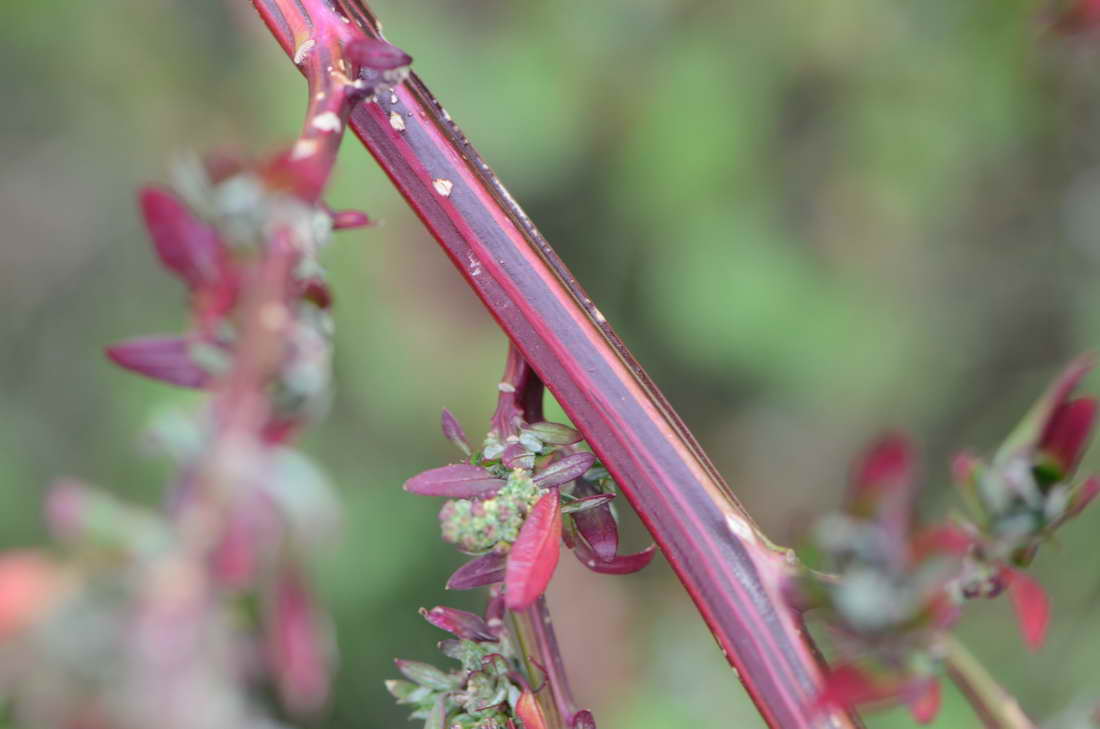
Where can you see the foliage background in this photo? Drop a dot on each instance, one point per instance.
(811, 221)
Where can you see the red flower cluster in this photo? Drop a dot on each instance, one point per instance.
(887, 600)
(898, 588)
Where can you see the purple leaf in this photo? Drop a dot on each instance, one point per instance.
(597, 526)
(617, 565)
(516, 456)
(485, 570)
(586, 503)
(463, 624)
(376, 54)
(582, 720)
(453, 432)
(186, 245)
(167, 359)
(554, 433)
(494, 612)
(460, 481)
(565, 470)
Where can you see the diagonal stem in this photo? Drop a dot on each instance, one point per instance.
(735, 575)
(997, 708)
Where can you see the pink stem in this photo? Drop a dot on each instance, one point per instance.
(734, 574)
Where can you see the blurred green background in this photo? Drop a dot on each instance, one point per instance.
(811, 221)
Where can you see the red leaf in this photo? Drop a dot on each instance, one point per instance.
(235, 558)
(924, 700)
(1082, 497)
(535, 553)
(1081, 15)
(460, 481)
(1032, 606)
(318, 292)
(167, 359)
(1033, 429)
(1068, 431)
(295, 648)
(28, 581)
(847, 687)
(529, 711)
(947, 538)
(882, 487)
(345, 219)
(485, 570)
(187, 246)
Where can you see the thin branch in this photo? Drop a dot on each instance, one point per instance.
(997, 708)
(536, 640)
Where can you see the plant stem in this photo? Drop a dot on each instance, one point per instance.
(997, 708)
(734, 574)
(532, 627)
(535, 639)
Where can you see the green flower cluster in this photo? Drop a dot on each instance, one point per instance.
(477, 526)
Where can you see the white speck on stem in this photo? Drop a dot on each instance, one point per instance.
(739, 527)
(327, 121)
(600, 318)
(505, 387)
(303, 51)
(303, 148)
(442, 186)
(393, 98)
(475, 265)
(397, 122)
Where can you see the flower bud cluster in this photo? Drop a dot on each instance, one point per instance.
(477, 526)
(528, 489)
(896, 589)
(485, 692)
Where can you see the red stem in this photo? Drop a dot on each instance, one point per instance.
(732, 572)
(539, 644)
